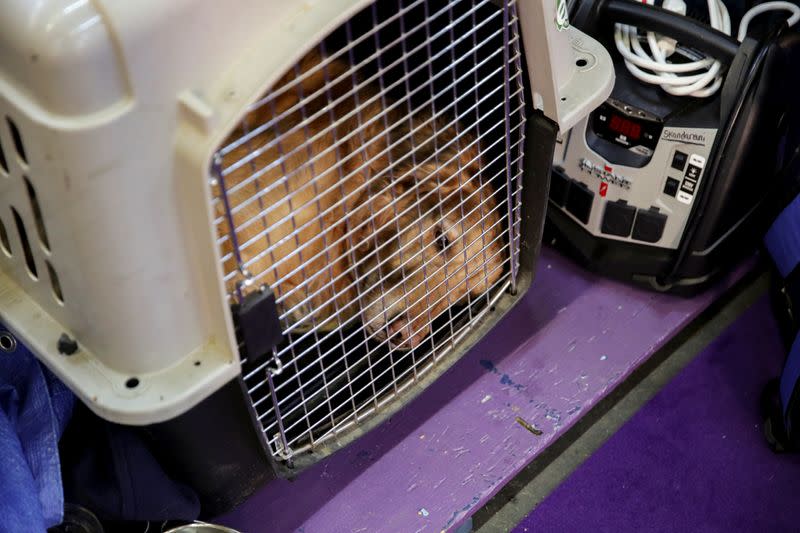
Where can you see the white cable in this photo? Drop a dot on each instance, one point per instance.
(700, 78)
(763, 8)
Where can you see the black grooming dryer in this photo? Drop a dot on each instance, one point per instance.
(668, 191)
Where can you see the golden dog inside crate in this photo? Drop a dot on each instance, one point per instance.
(348, 206)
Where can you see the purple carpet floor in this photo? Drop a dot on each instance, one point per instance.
(568, 343)
(693, 458)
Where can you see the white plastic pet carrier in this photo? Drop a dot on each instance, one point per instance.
(331, 200)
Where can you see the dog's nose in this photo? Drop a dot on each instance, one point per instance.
(402, 333)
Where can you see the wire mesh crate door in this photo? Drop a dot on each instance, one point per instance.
(376, 190)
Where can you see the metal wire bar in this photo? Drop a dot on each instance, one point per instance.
(516, 57)
(355, 171)
(459, 61)
(506, 121)
(357, 86)
(460, 170)
(462, 331)
(349, 196)
(375, 349)
(500, 251)
(326, 249)
(244, 245)
(345, 355)
(436, 133)
(386, 128)
(296, 289)
(354, 133)
(358, 263)
(415, 163)
(297, 243)
(412, 302)
(446, 279)
(454, 193)
(219, 181)
(365, 357)
(449, 196)
(349, 235)
(338, 53)
(427, 291)
(350, 243)
(467, 245)
(475, 89)
(353, 92)
(359, 131)
(278, 417)
(438, 285)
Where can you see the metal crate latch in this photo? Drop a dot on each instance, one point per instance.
(259, 329)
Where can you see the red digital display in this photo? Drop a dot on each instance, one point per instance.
(623, 126)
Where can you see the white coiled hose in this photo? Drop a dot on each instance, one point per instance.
(701, 78)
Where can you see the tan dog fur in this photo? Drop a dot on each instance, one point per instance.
(340, 227)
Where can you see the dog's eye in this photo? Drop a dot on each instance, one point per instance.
(442, 241)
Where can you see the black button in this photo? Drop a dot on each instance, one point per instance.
(579, 201)
(618, 218)
(693, 172)
(649, 226)
(679, 160)
(559, 187)
(671, 187)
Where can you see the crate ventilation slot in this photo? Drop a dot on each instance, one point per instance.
(4, 239)
(26, 246)
(3, 162)
(17, 140)
(37, 214)
(55, 283)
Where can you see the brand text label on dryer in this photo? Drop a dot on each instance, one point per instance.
(684, 137)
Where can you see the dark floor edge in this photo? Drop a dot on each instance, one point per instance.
(554, 464)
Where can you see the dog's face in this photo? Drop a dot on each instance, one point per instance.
(424, 242)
